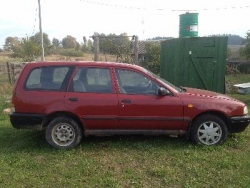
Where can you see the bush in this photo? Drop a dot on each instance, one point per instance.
(151, 59)
(27, 50)
(71, 52)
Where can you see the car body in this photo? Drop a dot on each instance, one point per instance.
(72, 99)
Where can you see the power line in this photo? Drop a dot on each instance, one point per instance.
(161, 9)
(114, 5)
(34, 27)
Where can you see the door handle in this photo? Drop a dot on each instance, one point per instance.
(73, 99)
(126, 101)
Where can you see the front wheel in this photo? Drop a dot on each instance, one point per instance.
(63, 133)
(209, 130)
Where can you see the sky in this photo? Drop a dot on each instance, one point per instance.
(144, 18)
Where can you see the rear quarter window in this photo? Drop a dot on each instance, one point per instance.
(47, 78)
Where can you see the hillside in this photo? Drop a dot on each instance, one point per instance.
(235, 40)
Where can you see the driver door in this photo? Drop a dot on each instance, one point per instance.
(141, 108)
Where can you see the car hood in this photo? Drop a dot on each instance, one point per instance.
(207, 94)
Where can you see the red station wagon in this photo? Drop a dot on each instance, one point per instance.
(72, 99)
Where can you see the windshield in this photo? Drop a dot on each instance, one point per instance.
(180, 89)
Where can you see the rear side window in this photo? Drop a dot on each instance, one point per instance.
(92, 80)
(47, 78)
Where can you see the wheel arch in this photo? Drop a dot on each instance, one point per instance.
(221, 115)
(54, 115)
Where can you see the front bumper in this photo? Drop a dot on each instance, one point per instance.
(26, 121)
(238, 123)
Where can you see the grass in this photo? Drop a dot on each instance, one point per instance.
(238, 79)
(26, 160)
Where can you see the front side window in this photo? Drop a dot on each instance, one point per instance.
(47, 78)
(93, 80)
(132, 82)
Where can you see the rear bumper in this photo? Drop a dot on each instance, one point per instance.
(26, 121)
(238, 123)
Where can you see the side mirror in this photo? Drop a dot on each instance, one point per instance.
(163, 92)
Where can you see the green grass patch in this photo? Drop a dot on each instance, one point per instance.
(27, 160)
(232, 91)
(238, 78)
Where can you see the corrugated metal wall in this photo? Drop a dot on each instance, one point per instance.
(198, 62)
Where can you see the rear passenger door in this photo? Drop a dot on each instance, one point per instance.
(91, 95)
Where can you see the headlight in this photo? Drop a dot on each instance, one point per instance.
(245, 111)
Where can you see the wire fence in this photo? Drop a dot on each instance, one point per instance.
(4, 73)
(116, 48)
(128, 49)
(9, 71)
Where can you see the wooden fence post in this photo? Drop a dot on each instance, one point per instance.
(8, 69)
(13, 72)
(96, 48)
(136, 51)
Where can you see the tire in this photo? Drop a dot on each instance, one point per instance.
(208, 130)
(63, 133)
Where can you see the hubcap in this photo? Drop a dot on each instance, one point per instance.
(209, 133)
(63, 134)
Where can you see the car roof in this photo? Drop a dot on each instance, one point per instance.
(87, 63)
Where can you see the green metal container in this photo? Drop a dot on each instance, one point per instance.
(188, 25)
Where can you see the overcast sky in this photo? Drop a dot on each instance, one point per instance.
(145, 18)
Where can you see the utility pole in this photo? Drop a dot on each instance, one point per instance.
(41, 31)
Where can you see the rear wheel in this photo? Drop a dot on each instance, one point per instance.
(209, 130)
(63, 133)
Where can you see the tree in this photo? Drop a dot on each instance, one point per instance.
(46, 42)
(152, 56)
(84, 46)
(11, 43)
(118, 45)
(122, 48)
(37, 38)
(245, 51)
(89, 45)
(56, 43)
(84, 40)
(78, 46)
(28, 50)
(69, 42)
